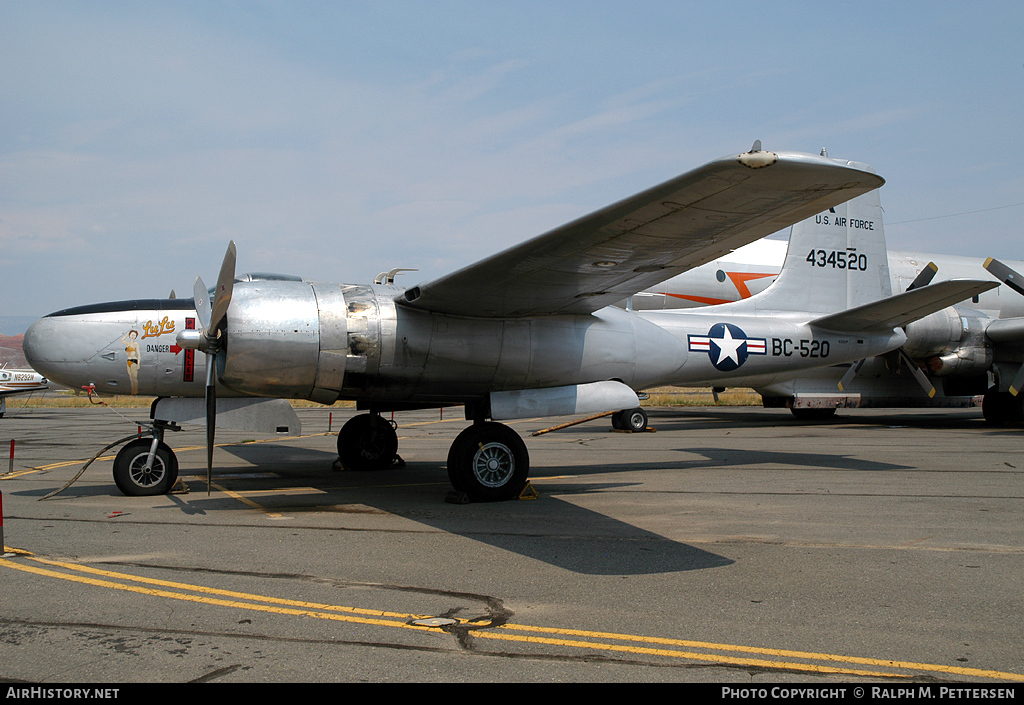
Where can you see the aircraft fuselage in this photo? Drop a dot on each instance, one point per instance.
(327, 342)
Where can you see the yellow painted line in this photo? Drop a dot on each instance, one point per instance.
(66, 463)
(690, 655)
(224, 593)
(886, 663)
(550, 636)
(210, 600)
(246, 501)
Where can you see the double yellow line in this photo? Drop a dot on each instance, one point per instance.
(729, 655)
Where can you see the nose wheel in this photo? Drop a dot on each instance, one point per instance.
(138, 475)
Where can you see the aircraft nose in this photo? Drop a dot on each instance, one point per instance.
(35, 343)
(45, 347)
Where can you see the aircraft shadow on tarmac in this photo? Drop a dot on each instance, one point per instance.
(710, 417)
(732, 457)
(553, 531)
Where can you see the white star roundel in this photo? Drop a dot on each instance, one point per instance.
(727, 346)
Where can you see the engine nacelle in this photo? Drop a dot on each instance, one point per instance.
(936, 334)
(952, 341)
(272, 340)
(302, 340)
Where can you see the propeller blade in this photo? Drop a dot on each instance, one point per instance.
(920, 376)
(925, 277)
(211, 416)
(202, 299)
(1018, 382)
(850, 374)
(1004, 274)
(225, 284)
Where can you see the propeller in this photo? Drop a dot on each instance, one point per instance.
(209, 339)
(919, 375)
(1013, 280)
(1004, 274)
(924, 278)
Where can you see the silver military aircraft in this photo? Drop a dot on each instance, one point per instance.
(19, 381)
(528, 332)
(970, 350)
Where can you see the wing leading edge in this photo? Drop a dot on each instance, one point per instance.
(613, 253)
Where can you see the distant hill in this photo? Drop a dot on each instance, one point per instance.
(12, 325)
(11, 352)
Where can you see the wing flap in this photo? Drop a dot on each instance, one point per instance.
(628, 246)
(901, 309)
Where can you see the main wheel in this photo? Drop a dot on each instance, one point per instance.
(630, 420)
(489, 462)
(1000, 408)
(367, 442)
(634, 420)
(131, 475)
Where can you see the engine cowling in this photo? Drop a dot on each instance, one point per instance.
(951, 342)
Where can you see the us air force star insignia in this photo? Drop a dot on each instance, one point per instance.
(727, 346)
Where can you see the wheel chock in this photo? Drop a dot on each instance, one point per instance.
(528, 492)
(179, 487)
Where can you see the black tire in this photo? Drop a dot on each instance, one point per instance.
(634, 420)
(367, 442)
(1001, 408)
(992, 407)
(823, 414)
(489, 462)
(617, 423)
(130, 473)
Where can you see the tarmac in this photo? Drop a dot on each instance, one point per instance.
(724, 545)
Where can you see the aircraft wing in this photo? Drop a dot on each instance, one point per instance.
(1006, 330)
(615, 252)
(901, 309)
(5, 392)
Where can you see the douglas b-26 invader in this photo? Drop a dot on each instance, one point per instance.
(528, 332)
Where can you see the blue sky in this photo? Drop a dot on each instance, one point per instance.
(335, 140)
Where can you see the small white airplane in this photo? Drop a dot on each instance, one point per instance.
(531, 331)
(19, 381)
(972, 350)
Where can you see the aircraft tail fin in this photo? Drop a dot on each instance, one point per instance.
(836, 260)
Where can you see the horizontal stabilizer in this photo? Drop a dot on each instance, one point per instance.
(901, 309)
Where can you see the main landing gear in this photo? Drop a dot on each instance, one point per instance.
(1001, 408)
(488, 461)
(634, 420)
